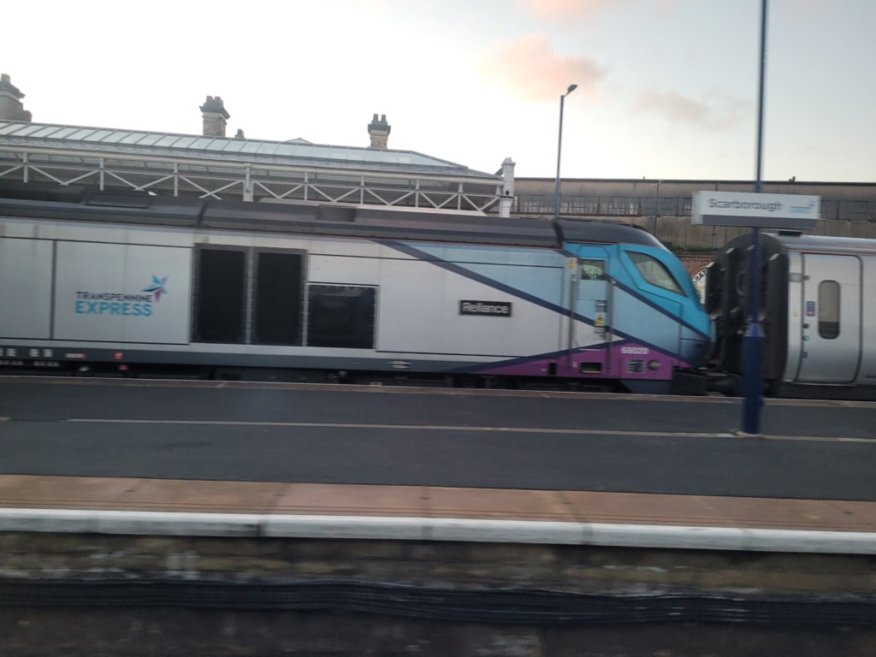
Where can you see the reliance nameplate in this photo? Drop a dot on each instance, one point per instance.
(488, 308)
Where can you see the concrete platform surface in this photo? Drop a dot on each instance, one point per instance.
(121, 494)
(630, 513)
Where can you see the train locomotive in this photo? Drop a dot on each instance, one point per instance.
(819, 306)
(97, 281)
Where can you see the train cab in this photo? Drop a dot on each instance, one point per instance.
(643, 285)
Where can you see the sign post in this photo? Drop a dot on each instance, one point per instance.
(755, 210)
(753, 340)
(759, 212)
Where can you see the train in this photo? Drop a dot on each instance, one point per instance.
(123, 283)
(818, 314)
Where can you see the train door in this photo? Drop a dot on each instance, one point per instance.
(831, 319)
(591, 300)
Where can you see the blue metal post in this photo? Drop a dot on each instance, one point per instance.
(753, 339)
(753, 344)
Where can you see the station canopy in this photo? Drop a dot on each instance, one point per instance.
(234, 168)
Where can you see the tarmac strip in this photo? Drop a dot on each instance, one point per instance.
(376, 388)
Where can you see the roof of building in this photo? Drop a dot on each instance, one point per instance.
(294, 152)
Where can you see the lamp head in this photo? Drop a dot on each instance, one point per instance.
(571, 88)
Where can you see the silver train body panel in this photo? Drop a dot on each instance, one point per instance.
(819, 313)
(194, 283)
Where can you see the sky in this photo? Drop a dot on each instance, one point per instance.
(667, 89)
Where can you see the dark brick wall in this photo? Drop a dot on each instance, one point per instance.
(170, 626)
(202, 633)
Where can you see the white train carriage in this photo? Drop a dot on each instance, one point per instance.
(120, 282)
(819, 313)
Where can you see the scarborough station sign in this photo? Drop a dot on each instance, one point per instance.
(755, 210)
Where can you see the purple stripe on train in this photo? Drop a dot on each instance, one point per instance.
(627, 360)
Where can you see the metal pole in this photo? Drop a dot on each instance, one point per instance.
(753, 339)
(571, 88)
(656, 211)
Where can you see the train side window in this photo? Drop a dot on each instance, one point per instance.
(828, 310)
(654, 272)
(592, 270)
(219, 300)
(277, 298)
(341, 316)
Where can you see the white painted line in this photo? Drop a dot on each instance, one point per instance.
(478, 429)
(397, 427)
(162, 523)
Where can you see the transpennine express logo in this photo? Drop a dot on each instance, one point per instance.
(157, 287)
(141, 304)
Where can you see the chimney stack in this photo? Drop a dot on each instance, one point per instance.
(378, 130)
(11, 108)
(215, 116)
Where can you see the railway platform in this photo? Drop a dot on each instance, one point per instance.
(182, 507)
(206, 568)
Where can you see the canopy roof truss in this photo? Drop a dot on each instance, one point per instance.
(216, 178)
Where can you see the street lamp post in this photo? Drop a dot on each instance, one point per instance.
(571, 88)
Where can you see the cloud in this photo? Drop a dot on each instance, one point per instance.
(571, 10)
(565, 9)
(716, 112)
(532, 69)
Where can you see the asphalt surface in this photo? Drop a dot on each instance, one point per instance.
(434, 437)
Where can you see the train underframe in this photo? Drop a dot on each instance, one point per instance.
(111, 364)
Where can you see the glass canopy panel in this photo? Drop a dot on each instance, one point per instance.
(46, 131)
(233, 147)
(116, 137)
(166, 141)
(268, 148)
(132, 137)
(27, 130)
(150, 140)
(81, 134)
(306, 151)
(63, 133)
(218, 144)
(250, 147)
(287, 150)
